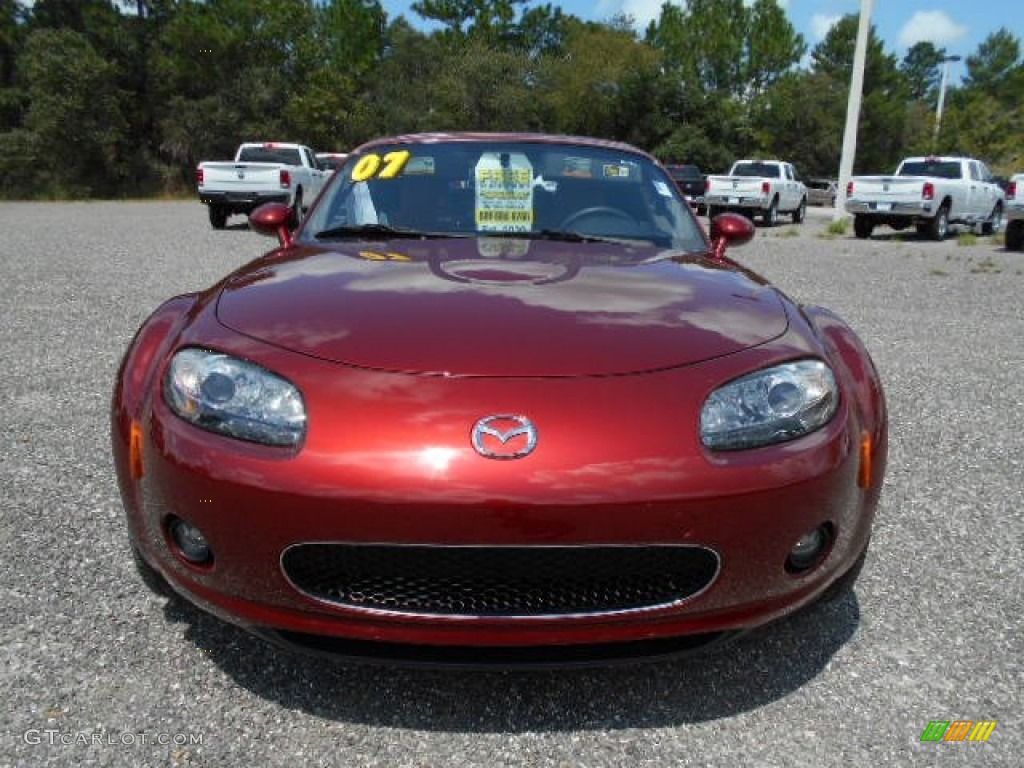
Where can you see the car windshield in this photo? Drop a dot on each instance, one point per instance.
(680, 172)
(330, 162)
(936, 168)
(282, 155)
(758, 170)
(464, 188)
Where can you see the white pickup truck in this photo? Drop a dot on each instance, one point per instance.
(930, 193)
(765, 187)
(1015, 213)
(262, 172)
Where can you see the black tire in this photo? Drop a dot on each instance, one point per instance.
(938, 228)
(1015, 235)
(297, 205)
(713, 210)
(218, 217)
(150, 576)
(770, 217)
(863, 227)
(800, 211)
(994, 222)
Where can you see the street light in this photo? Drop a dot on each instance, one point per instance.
(853, 106)
(942, 98)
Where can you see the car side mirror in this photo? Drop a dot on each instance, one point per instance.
(729, 230)
(275, 219)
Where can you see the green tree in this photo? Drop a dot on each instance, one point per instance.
(227, 70)
(996, 68)
(922, 69)
(12, 97)
(719, 57)
(492, 20)
(773, 46)
(72, 88)
(347, 43)
(986, 113)
(596, 86)
(881, 135)
(794, 120)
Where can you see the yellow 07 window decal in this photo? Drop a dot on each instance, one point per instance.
(386, 167)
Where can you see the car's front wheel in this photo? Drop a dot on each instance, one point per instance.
(939, 227)
(994, 222)
(800, 211)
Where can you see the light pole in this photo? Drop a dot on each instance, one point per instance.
(853, 106)
(942, 99)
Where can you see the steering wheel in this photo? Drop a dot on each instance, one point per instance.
(597, 210)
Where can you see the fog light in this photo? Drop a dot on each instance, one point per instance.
(190, 541)
(809, 549)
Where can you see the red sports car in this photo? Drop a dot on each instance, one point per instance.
(498, 398)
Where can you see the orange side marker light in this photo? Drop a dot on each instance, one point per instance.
(135, 451)
(864, 473)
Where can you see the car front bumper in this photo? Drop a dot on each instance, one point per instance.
(369, 475)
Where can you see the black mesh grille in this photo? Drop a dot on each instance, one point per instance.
(499, 581)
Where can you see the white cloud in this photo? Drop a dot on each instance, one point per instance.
(821, 24)
(642, 11)
(932, 26)
(646, 11)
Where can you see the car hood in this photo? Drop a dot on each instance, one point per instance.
(500, 307)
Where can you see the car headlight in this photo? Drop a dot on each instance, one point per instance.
(235, 398)
(769, 406)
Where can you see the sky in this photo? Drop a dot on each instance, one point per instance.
(959, 26)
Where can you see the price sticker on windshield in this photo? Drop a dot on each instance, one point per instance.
(504, 192)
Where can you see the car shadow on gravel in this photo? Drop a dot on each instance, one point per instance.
(754, 670)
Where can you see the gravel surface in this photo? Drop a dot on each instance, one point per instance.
(98, 671)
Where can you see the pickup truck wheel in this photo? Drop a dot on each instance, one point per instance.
(713, 210)
(994, 222)
(863, 227)
(297, 205)
(1015, 235)
(771, 216)
(800, 211)
(218, 217)
(939, 227)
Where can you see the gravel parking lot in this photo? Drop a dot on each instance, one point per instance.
(99, 672)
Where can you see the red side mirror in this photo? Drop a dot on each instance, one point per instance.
(274, 219)
(728, 230)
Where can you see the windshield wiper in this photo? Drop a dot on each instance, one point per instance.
(548, 234)
(362, 230)
(566, 236)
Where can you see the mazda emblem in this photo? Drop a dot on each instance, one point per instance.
(504, 436)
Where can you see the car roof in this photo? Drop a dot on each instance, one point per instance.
(470, 137)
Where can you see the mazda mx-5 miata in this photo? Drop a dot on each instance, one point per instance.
(498, 398)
